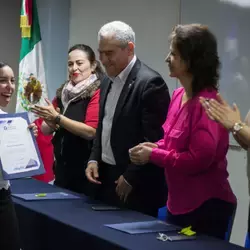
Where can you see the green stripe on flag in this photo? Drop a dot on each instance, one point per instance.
(22, 9)
(29, 43)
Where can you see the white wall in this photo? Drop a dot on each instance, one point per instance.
(54, 25)
(152, 25)
(239, 183)
(152, 22)
(10, 37)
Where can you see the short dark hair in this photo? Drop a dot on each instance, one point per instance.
(198, 48)
(3, 64)
(91, 57)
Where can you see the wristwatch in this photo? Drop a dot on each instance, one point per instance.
(237, 127)
(58, 119)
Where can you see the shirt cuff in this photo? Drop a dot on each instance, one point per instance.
(160, 157)
(159, 144)
(92, 161)
(126, 182)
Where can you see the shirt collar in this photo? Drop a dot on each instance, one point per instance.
(124, 74)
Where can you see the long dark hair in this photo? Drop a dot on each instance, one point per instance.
(91, 57)
(198, 48)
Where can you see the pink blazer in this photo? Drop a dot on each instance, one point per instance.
(193, 153)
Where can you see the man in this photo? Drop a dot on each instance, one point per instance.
(133, 106)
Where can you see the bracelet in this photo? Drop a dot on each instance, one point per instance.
(58, 119)
(237, 127)
(57, 128)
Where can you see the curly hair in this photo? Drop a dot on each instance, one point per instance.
(197, 46)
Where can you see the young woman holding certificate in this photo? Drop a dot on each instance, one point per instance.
(8, 222)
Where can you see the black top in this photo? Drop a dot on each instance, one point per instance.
(72, 151)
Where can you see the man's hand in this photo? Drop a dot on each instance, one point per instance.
(123, 188)
(92, 172)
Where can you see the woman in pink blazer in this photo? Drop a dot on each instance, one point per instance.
(194, 148)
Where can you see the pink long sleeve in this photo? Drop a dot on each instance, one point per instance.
(160, 143)
(193, 154)
(200, 154)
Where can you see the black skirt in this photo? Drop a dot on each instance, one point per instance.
(9, 239)
(213, 218)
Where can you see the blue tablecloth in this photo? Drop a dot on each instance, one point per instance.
(72, 224)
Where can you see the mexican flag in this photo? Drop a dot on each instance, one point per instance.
(32, 88)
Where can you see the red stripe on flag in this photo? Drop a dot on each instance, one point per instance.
(28, 8)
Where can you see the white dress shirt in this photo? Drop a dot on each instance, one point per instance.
(109, 110)
(3, 184)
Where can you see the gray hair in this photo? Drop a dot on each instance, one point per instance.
(119, 30)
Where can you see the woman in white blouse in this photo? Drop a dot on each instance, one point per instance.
(9, 239)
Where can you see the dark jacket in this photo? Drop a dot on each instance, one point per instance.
(139, 115)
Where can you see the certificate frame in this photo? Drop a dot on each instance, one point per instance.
(32, 172)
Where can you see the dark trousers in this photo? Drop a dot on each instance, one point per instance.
(106, 193)
(73, 179)
(211, 218)
(9, 237)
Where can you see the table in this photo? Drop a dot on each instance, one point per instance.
(72, 224)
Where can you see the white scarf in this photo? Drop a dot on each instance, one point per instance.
(70, 91)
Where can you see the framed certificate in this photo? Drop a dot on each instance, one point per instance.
(19, 153)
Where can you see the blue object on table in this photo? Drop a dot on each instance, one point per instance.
(162, 213)
(142, 227)
(229, 229)
(46, 196)
(247, 242)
